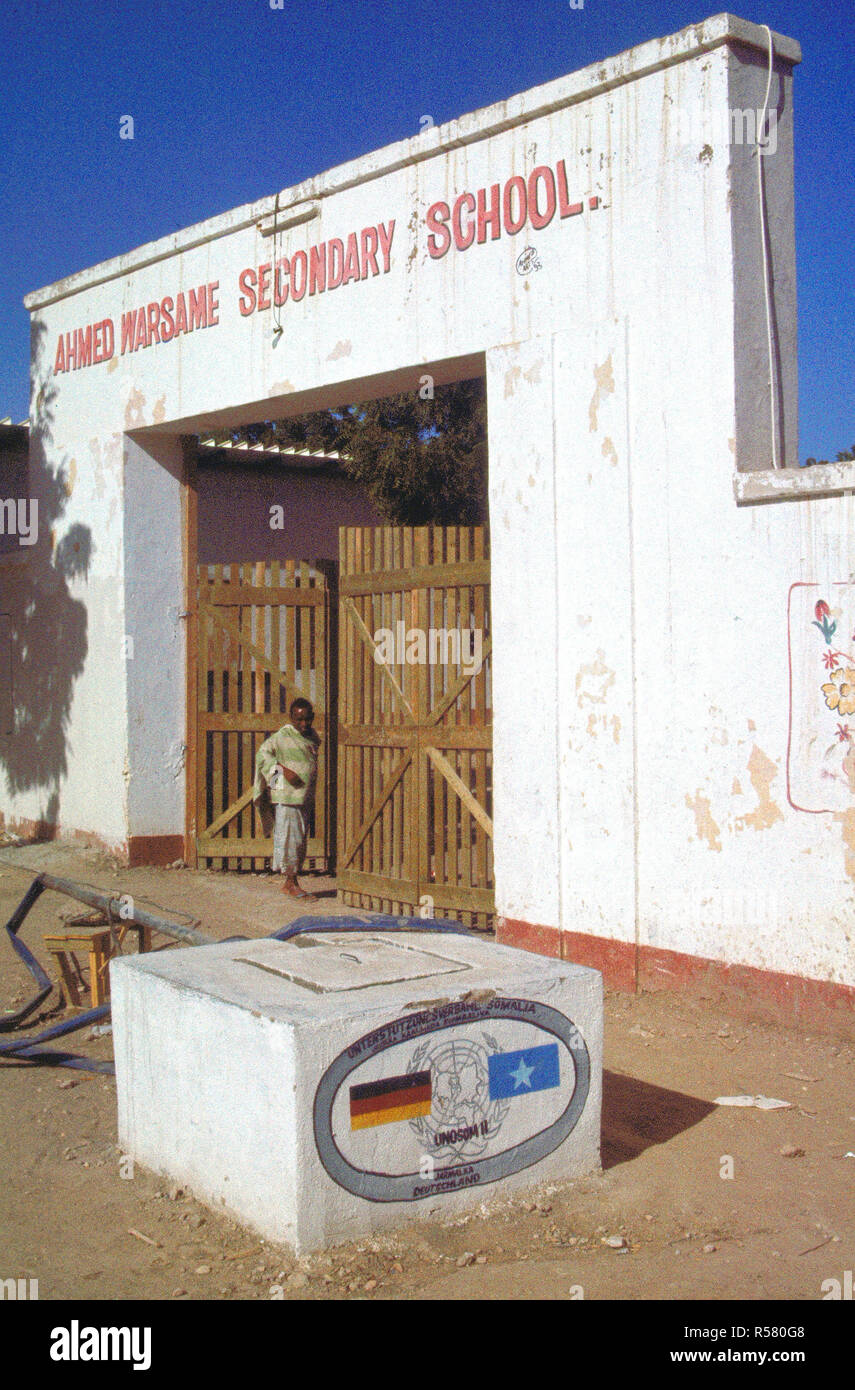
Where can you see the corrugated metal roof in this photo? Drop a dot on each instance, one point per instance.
(279, 453)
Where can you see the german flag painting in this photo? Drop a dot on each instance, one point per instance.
(395, 1098)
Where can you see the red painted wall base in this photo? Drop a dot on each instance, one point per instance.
(817, 1006)
(156, 850)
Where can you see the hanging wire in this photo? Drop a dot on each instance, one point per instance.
(762, 144)
(277, 308)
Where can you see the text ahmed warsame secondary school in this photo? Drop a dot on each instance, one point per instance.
(473, 219)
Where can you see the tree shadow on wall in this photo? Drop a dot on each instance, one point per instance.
(47, 626)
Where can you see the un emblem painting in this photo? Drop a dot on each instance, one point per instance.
(454, 1097)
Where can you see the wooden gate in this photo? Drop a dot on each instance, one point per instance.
(415, 722)
(263, 639)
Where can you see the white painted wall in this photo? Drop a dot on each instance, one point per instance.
(155, 635)
(640, 614)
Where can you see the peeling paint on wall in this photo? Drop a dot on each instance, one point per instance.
(762, 772)
(602, 723)
(609, 451)
(134, 409)
(705, 826)
(341, 349)
(605, 384)
(511, 378)
(601, 680)
(847, 820)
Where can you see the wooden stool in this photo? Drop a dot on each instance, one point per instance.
(99, 944)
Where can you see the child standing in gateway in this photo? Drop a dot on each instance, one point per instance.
(286, 765)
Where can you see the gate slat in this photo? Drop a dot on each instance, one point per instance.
(455, 813)
(425, 827)
(251, 739)
(247, 653)
(217, 655)
(202, 657)
(480, 869)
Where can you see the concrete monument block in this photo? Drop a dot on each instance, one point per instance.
(322, 1088)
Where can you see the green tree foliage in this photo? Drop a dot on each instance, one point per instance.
(421, 461)
(847, 456)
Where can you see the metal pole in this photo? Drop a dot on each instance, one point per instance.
(116, 908)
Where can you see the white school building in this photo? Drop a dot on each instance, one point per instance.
(672, 617)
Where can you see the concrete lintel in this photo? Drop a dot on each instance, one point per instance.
(578, 86)
(328, 397)
(782, 484)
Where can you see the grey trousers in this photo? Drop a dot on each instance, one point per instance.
(289, 839)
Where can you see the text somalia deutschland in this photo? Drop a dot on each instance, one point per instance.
(472, 219)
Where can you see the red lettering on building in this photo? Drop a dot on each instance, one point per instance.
(493, 216)
(129, 328)
(198, 308)
(541, 219)
(246, 280)
(153, 313)
(368, 249)
(317, 269)
(463, 239)
(298, 286)
(264, 285)
(386, 235)
(167, 322)
(565, 207)
(84, 346)
(515, 224)
(334, 272)
(180, 313)
(280, 286)
(439, 238)
(351, 260)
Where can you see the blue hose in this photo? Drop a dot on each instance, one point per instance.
(32, 1049)
(379, 923)
(10, 1021)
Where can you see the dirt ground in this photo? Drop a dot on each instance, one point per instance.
(780, 1226)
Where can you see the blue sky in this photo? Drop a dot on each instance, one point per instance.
(233, 100)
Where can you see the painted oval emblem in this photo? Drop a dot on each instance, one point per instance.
(454, 1097)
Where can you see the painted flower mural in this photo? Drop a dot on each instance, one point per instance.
(823, 613)
(839, 692)
(821, 738)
